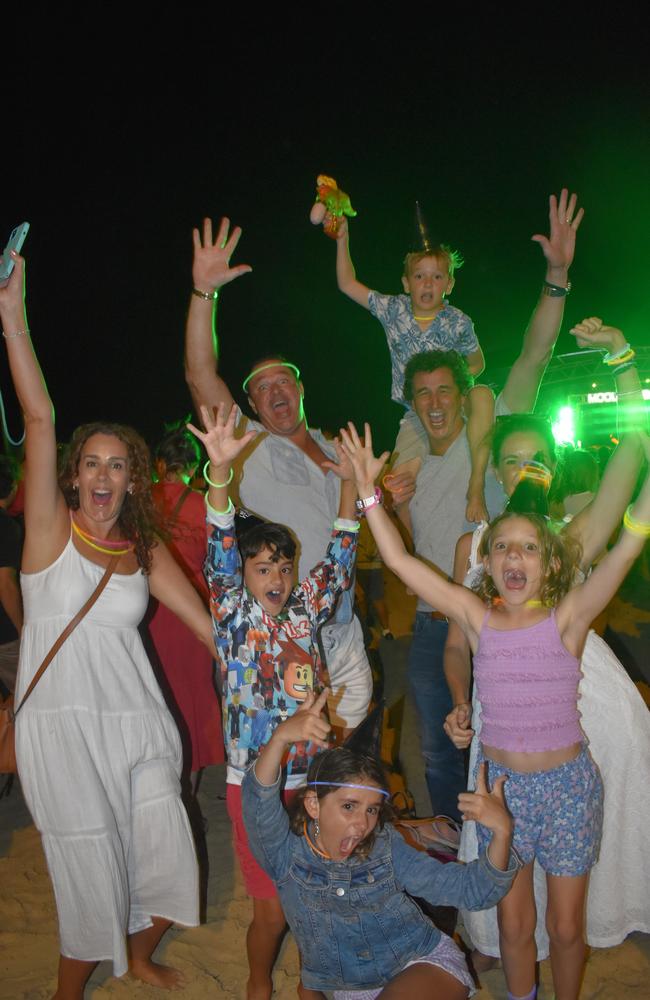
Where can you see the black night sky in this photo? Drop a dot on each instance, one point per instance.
(119, 142)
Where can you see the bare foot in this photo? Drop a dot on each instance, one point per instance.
(483, 963)
(162, 976)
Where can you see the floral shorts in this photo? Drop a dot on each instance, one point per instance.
(558, 814)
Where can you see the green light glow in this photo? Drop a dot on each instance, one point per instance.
(563, 426)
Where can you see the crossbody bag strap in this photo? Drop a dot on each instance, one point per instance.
(179, 503)
(70, 627)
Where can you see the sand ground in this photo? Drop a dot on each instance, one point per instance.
(213, 956)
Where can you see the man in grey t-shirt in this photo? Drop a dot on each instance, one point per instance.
(436, 383)
(287, 473)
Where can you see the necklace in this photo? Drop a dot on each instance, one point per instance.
(424, 319)
(117, 547)
(316, 850)
(532, 603)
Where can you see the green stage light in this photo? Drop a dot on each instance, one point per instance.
(564, 430)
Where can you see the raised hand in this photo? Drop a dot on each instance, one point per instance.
(559, 246)
(219, 437)
(11, 296)
(211, 266)
(343, 466)
(487, 807)
(307, 723)
(591, 332)
(342, 226)
(366, 467)
(457, 725)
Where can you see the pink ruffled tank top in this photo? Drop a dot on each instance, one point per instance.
(527, 684)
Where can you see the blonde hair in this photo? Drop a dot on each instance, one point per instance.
(560, 557)
(452, 258)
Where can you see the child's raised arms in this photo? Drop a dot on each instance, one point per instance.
(346, 276)
(223, 448)
(432, 586)
(307, 724)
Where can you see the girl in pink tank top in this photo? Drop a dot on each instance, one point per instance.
(527, 628)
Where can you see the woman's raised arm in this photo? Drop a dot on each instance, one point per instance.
(46, 518)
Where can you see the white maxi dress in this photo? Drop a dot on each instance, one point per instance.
(99, 758)
(616, 723)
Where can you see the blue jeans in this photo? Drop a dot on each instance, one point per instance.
(443, 763)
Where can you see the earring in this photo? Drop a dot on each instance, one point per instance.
(316, 829)
(129, 490)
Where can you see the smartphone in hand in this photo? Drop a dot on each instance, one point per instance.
(14, 242)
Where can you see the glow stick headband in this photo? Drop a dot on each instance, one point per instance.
(271, 364)
(348, 784)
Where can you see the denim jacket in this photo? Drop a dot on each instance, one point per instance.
(354, 921)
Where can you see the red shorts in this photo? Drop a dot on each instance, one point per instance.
(258, 884)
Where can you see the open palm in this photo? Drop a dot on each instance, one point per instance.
(366, 466)
(219, 437)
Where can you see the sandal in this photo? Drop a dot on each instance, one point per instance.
(433, 833)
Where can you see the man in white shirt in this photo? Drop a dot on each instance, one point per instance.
(285, 474)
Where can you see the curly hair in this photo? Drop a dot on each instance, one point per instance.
(430, 361)
(337, 765)
(560, 557)
(138, 520)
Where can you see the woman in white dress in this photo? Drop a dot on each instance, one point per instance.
(614, 717)
(99, 755)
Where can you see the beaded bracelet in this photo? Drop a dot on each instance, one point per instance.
(639, 528)
(18, 333)
(217, 486)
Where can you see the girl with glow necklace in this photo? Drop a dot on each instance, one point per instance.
(526, 652)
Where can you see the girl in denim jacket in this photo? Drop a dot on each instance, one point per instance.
(345, 877)
(527, 627)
